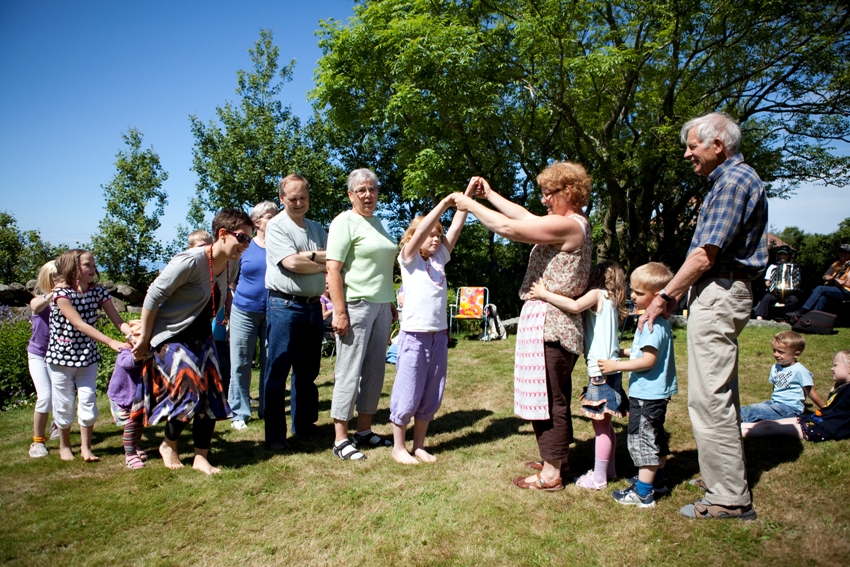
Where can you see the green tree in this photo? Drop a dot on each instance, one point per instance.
(22, 252)
(815, 252)
(240, 159)
(125, 242)
(430, 92)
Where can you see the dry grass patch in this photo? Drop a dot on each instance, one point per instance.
(309, 508)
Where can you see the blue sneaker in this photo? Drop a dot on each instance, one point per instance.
(630, 497)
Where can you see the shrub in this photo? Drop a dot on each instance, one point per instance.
(15, 383)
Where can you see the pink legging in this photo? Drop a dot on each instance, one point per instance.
(606, 441)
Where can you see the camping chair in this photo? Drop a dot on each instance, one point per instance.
(469, 305)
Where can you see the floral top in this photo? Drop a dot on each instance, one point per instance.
(68, 345)
(564, 273)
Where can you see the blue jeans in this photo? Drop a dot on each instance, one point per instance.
(822, 294)
(766, 410)
(245, 328)
(294, 329)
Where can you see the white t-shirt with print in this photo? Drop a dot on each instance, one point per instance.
(424, 284)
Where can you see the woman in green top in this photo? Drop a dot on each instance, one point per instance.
(360, 259)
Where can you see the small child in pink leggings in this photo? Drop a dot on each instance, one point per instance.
(423, 340)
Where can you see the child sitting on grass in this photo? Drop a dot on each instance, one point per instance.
(651, 384)
(831, 421)
(792, 382)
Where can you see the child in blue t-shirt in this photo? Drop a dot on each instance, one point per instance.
(792, 382)
(651, 384)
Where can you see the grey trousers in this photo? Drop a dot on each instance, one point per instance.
(719, 311)
(361, 359)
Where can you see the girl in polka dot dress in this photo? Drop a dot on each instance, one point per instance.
(72, 354)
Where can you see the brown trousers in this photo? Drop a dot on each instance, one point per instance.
(555, 434)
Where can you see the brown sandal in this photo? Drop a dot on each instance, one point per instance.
(539, 484)
(534, 465)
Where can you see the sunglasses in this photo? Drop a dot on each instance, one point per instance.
(241, 237)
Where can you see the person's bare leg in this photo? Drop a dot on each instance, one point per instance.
(85, 444)
(400, 453)
(420, 429)
(202, 464)
(364, 421)
(39, 423)
(787, 427)
(340, 430)
(550, 473)
(65, 445)
(170, 456)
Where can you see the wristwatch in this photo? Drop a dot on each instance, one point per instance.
(664, 296)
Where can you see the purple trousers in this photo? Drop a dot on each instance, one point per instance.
(420, 376)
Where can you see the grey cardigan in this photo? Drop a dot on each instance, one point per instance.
(182, 290)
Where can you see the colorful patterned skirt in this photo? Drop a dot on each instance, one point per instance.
(180, 381)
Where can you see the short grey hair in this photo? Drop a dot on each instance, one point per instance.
(359, 175)
(717, 125)
(262, 209)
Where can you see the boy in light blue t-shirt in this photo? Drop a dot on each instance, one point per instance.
(792, 382)
(651, 384)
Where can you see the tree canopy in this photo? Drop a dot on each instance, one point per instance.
(241, 157)
(429, 92)
(22, 252)
(125, 242)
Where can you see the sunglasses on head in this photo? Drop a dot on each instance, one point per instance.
(241, 237)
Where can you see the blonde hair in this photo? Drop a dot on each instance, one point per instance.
(791, 339)
(47, 275)
(845, 354)
(68, 267)
(567, 175)
(652, 276)
(610, 277)
(408, 234)
(291, 178)
(198, 237)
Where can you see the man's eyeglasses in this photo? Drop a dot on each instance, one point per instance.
(241, 237)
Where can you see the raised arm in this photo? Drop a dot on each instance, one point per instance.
(39, 303)
(459, 219)
(503, 205)
(422, 231)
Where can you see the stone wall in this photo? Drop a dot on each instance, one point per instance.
(18, 296)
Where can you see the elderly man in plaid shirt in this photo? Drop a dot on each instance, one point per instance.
(728, 250)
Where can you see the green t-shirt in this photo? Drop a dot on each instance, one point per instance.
(367, 253)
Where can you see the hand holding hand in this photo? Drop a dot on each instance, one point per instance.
(117, 345)
(462, 202)
(482, 188)
(141, 349)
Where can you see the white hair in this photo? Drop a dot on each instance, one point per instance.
(359, 175)
(717, 125)
(263, 208)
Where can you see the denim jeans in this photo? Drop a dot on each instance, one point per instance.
(245, 328)
(822, 294)
(767, 410)
(294, 330)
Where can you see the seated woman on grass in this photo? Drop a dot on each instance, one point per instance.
(832, 421)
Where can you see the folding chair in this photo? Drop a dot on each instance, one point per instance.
(469, 305)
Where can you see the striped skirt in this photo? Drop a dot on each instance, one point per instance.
(180, 381)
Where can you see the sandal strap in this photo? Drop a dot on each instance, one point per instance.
(347, 451)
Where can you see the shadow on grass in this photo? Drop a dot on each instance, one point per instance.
(500, 428)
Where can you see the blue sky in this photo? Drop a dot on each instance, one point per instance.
(75, 75)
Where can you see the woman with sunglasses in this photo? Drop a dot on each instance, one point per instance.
(181, 381)
(248, 320)
(547, 353)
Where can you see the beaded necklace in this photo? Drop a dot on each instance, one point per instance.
(212, 287)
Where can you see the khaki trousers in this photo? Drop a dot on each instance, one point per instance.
(719, 309)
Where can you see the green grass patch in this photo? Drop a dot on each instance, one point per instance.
(309, 508)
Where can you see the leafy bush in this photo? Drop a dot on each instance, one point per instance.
(15, 383)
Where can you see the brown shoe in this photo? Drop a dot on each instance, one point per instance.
(539, 484)
(534, 465)
(705, 510)
(699, 483)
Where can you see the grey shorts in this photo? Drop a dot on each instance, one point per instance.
(647, 439)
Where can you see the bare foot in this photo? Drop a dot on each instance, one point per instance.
(203, 465)
(403, 457)
(170, 457)
(88, 456)
(65, 454)
(425, 456)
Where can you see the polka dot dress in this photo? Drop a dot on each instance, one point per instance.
(68, 346)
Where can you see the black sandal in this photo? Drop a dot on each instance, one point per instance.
(371, 440)
(347, 451)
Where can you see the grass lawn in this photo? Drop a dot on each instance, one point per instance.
(309, 508)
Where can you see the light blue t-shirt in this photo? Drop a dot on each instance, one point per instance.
(601, 340)
(659, 382)
(788, 383)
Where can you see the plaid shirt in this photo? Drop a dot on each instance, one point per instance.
(733, 217)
